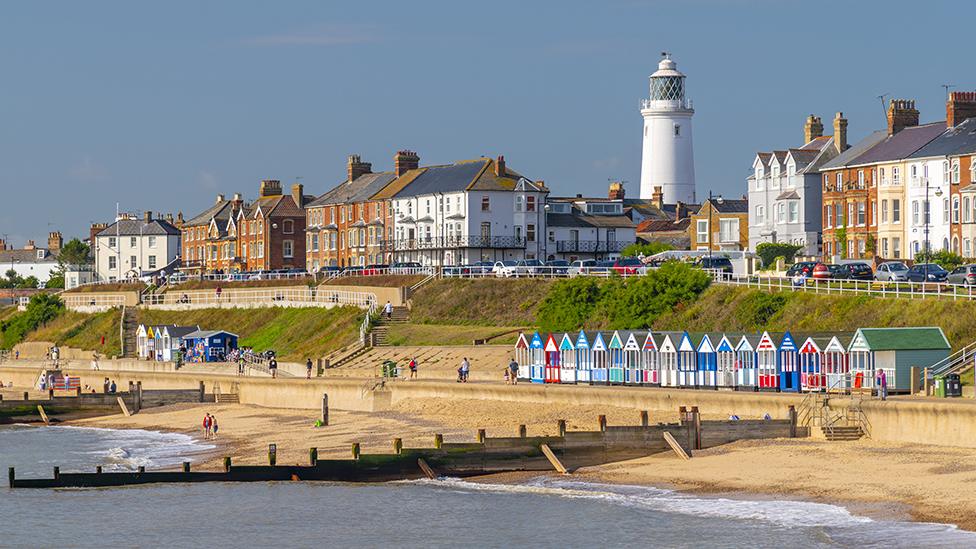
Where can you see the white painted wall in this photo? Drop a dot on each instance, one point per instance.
(133, 249)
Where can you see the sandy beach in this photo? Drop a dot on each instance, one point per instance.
(924, 483)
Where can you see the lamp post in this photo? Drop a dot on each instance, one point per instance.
(712, 200)
(928, 214)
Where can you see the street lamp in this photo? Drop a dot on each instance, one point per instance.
(712, 200)
(928, 214)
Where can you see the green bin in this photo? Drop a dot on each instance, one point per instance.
(940, 386)
(389, 368)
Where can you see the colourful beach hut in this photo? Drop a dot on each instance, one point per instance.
(668, 356)
(552, 367)
(767, 373)
(789, 364)
(537, 364)
(725, 364)
(172, 341)
(896, 351)
(567, 372)
(811, 371)
(615, 368)
(833, 363)
(633, 365)
(522, 356)
(687, 362)
(650, 359)
(598, 370)
(706, 363)
(142, 342)
(209, 345)
(746, 370)
(584, 358)
(151, 342)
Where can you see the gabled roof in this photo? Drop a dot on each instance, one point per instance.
(902, 144)
(357, 190)
(25, 256)
(201, 334)
(466, 175)
(663, 225)
(819, 143)
(138, 227)
(901, 339)
(729, 206)
(644, 206)
(851, 155)
(580, 219)
(778, 157)
(959, 140)
(222, 210)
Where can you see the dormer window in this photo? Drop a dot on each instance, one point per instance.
(40, 254)
(776, 171)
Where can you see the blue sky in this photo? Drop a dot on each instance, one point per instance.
(162, 106)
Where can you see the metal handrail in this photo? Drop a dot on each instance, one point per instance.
(955, 361)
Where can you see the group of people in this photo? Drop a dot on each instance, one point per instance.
(210, 426)
(53, 355)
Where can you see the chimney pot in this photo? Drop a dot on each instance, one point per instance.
(500, 166)
(840, 133)
(147, 216)
(812, 129)
(270, 187)
(355, 167)
(405, 161)
(901, 114)
(220, 198)
(616, 191)
(298, 194)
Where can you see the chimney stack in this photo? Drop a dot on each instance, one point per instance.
(147, 216)
(220, 198)
(94, 230)
(404, 161)
(270, 187)
(355, 167)
(54, 241)
(657, 197)
(812, 129)
(959, 107)
(179, 219)
(3, 244)
(298, 194)
(500, 166)
(30, 245)
(169, 218)
(840, 132)
(680, 211)
(901, 114)
(616, 191)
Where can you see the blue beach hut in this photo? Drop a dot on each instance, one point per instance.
(725, 364)
(537, 364)
(687, 362)
(598, 371)
(616, 366)
(209, 345)
(567, 373)
(706, 360)
(789, 364)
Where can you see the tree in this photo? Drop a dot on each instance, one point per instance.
(75, 252)
(769, 251)
(650, 248)
(944, 258)
(842, 241)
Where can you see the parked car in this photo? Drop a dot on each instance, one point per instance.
(329, 269)
(965, 275)
(892, 271)
(722, 264)
(405, 267)
(581, 267)
(858, 271)
(927, 272)
(557, 267)
(836, 271)
(505, 268)
(375, 269)
(529, 267)
(822, 271)
(627, 266)
(603, 267)
(805, 267)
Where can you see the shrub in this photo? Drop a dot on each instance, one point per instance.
(650, 248)
(568, 304)
(769, 251)
(946, 259)
(757, 309)
(41, 309)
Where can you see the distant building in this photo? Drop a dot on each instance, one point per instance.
(32, 260)
(588, 228)
(720, 225)
(666, 231)
(130, 248)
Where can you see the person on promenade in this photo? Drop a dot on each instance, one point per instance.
(881, 380)
(240, 365)
(218, 293)
(105, 385)
(308, 368)
(513, 371)
(273, 367)
(388, 310)
(465, 370)
(413, 368)
(206, 426)
(94, 363)
(213, 427)
(112, 388)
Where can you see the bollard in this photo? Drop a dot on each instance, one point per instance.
(397, 446)
(26, 395)
(57, 473)
(142, 468)
(272, 454)
(325, 409)
(227, 464)
(98, 470)
(50, 394)
(10, 476)
(313, 456)
(602, 420)
(521, 431)
(792, 414)
(561, 427)
(481, 436)
(645, 418)
(203, 393)
(355, 450)
(138, 405)
(438, 440)
(186, 466)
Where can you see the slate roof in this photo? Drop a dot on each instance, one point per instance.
(645, 207)
(221, 211)
(818, 143)
(663, 225)
(904, 339)
(465, 175)
(580, 219)
(136, 227)
(730, 206)
(955, 141)
(849, 156)
(788, 195)
(200, 334)
(25, 256)
(902, 144)
(357, 190)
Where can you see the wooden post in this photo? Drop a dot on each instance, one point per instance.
(926, 385)
(325, 408)
(675, 446)
(645, 418)
(11, 475)
(355, 450)
(186, 466)
(913, 386)
(202, 392)
(438, 440)
(696, 425)
(313, 456)
(481, 436)
(26, 395)
(682, 414)
(98, 469)
(40, 410)
(227, 464)
(522, 431)
(57, 473)
(142, 468)
(556, 464)
(138, 402)
(602, 420)
(50, 394)
(397, 446)
(272, 454)
(792, 413)
(561, 427)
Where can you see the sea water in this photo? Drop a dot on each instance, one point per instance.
(543, 512)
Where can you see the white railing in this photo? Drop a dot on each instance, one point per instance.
(874, 288)
(175, 280)
(959, 360)
(317, 296)
(367, 321)
(381, 271)
(83, 301)
(475, 271)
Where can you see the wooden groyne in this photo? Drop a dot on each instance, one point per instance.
(486, 455)
(133, 400)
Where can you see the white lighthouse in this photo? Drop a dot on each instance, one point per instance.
(667, 157)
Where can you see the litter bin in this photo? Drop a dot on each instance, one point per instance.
(389, 368)
(940, 386)
(953, 386)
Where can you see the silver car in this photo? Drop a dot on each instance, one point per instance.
(581, 267)
(964, 275)
(892, 271)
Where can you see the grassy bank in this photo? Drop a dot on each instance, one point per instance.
(442, 334)
(82, 331)
(484, 302)
(294, 333)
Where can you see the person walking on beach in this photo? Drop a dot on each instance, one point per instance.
(513, 371)
(213, 427)
(388, 310)
(465, 370)
(881, 379)
(206, 426)
(308, 368)
(273, 367)
(413, 368)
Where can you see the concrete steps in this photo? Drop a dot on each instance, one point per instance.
(380, 331)
(844, 433)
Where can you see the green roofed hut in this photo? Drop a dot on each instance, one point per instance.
(895, 350)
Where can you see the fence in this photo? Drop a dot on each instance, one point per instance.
(305, 296)
(92, 303)
(875, 288)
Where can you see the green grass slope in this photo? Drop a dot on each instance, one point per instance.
(484, 302)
